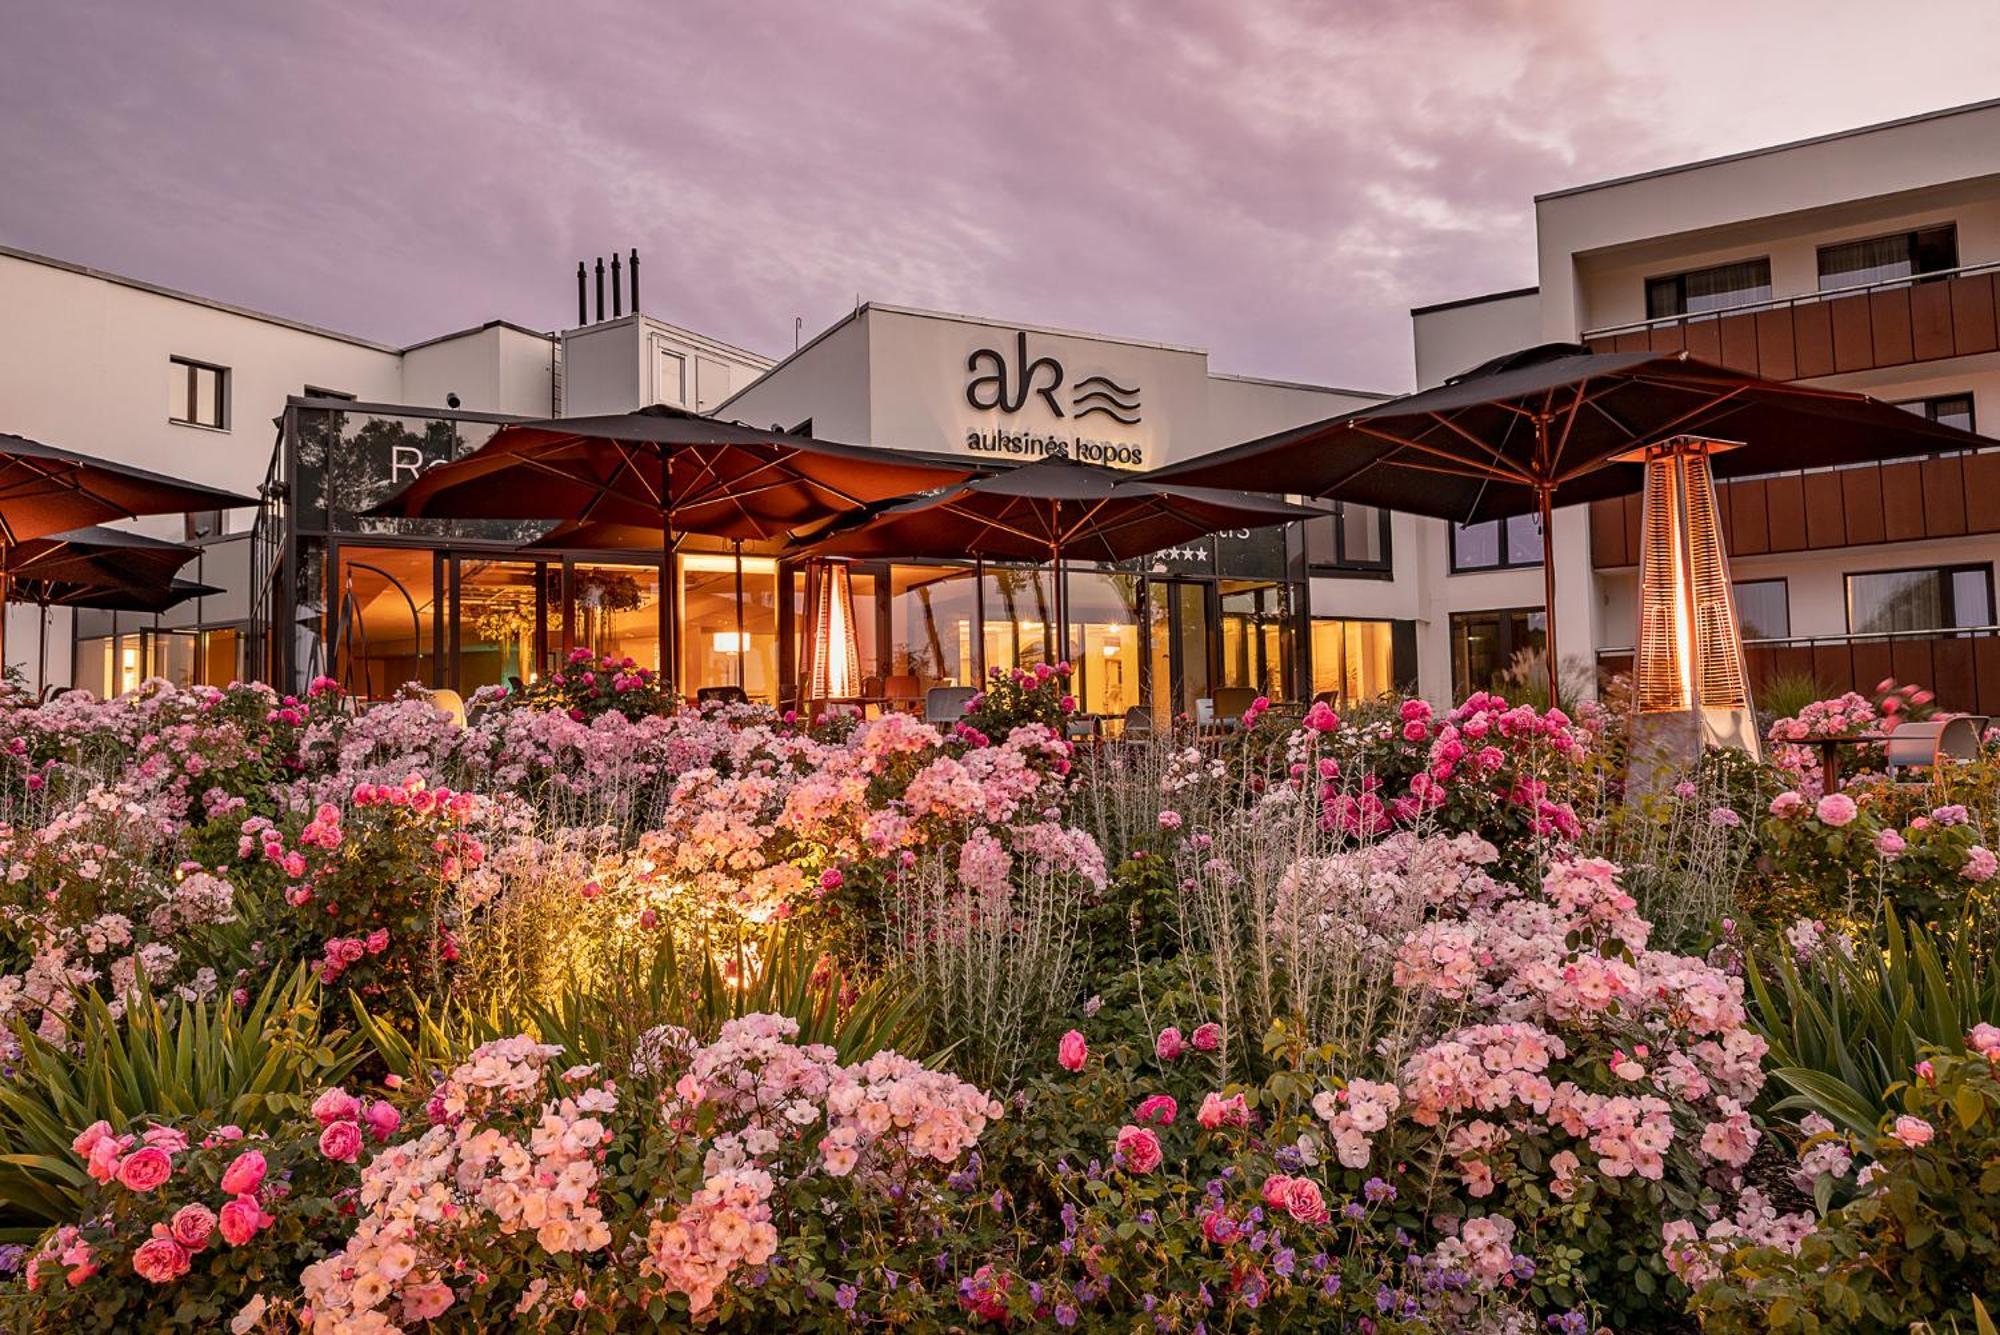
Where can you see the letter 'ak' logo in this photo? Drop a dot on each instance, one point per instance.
(989, 386)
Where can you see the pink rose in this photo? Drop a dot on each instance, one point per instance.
(381, 1120)
(1072, 1052)
(160, 1260)
(1984, 1039)
(1304, 1202)
(1836, 809)
(1889, 845)
(1217, 1111)
(245, 1173)
(88, 1138)
(146, 1168)
(336, 1105)
(341, 1142)
(1139, 1148)
(424, 1302)
(1275, 1189)
(1158, 1109)
(1208, 1037)
(1169, 1045)
(1914, 1132)
(241, 1219)
(192, 1225)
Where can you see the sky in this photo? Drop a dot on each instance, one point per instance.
(1277, 181)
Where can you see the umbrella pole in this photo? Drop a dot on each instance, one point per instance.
(6, 592)
(42, 649)
(1545, 495)
(670, 648)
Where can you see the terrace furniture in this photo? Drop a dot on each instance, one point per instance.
(1933, 742)
(1138, 726)
(1232, 702)
(946, 704)
(901, 693)
(726, 695)
(449, 702)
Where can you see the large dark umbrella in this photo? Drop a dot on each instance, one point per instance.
(45, 490)
(99, 555)
(672, 470)
(107, 592)
(1509, 437)
(1052, 510)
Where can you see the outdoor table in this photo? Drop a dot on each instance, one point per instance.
(1829, 755)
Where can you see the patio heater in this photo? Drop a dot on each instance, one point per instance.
(836, 659)
(1689, 683)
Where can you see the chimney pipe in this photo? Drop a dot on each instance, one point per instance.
(617, 288)
(582, 301)
(635, 280)
(600, 287)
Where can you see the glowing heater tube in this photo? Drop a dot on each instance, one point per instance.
(836, 657)
(1689, 664)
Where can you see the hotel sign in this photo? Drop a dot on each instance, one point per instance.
(1041, 385)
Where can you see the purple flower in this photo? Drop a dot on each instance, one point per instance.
(1065, 1315)
(844, 1296)
(1376, 1190)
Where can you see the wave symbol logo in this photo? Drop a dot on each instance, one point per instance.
(1101, 394)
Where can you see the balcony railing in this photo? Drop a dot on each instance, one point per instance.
(1961, 666)
(1951, 313)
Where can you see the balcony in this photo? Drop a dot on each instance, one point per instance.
(1962, 666)
(1894, 323)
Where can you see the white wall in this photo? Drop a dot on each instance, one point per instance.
(495, 368)
(826, 380)
(618, 365)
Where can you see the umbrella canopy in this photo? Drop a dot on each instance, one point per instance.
(46, 490)
(721, 479)
(1562, 422)
(99, 555)
(1497, 440)
(119, 597)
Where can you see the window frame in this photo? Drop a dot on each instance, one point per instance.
(1784, 584)
(193, 367)
(1909, 237)
(1508, 647)
(1947, 597)
(1679, 282)
(1504, 560)
(1340, 565)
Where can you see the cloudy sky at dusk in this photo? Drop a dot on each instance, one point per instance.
(1276, 181)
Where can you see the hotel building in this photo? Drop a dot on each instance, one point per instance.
(1868, 259)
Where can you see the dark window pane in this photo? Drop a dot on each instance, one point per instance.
(1762, 610)
(1726, 285)
(1935, 249)
(1971, 598)
(1893, 600)
(1663, 298)
(1360, 535)
(1476, 546)
(1524, 540)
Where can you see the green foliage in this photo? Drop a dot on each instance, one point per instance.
(1787, 694)
(1845, 1029)
(209, 1059)
(786, 974)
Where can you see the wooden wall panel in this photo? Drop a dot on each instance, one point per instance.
(1873, 660)
(1826, 511)
(1749, 526)
(1739, 342)
(1944, 497)
(1785, 505)
(1902, 501)
(1704, 339)
(1775, 358)
(1861, 497)
(1812, 341)
(1791, 660)
(1635, 516)
(1607, 532)
(1910, 660)
(1833, 666)
(1853, 340)
(1930, 321)
(1972, 323)
(1986, 667)
(1982, 492)
(1667, 337)
(1633, 342)
(1953, 675)
(1889, 323)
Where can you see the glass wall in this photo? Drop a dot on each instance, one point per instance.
(499, 610)
(1177, 611)
(1020, 606)
(1354, 660)
(615, 610)
(1484, 645)
(725, 642)
(385, 620)
(932, 614)
(1104, 641)
(1253, 638)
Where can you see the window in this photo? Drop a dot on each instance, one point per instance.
(1497, 544)
(1354, 660)
(1484, 645)
(1352, 538)
(1716, 289)
(197, 394)
(1950, 409)
(1883, 259)
(1763, 609)
(1943, 598)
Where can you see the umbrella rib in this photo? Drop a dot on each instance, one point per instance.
(1664, 430)
(1505, 475)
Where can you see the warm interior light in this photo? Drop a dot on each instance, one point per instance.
(717, 563)
(732, 642)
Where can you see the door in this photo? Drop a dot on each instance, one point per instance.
(1178, 640)
(498, 622)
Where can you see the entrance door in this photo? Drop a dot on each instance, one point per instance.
(498, 620)
(1177, 615)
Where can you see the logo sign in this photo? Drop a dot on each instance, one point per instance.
(993, 385)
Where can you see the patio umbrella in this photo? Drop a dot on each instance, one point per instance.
(1052, 510)
(97, 554)
(106, 593)
(671, 470)
(46, 490)
(1559, 421)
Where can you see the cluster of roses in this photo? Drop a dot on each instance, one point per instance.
(1925, 860)
(589, 684)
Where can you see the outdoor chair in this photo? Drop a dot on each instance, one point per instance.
(449, 702)
(722, 695)
(1933, 743)
(1138, 725)
(901, 693)
(1232, 702)
(946, 704)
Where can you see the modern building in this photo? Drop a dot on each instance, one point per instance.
(1865, 260)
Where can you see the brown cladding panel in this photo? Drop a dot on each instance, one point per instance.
(1986, 667)
(1812, 341)
(1792, 660)
(1944, 497)
(1607, 532)
(1833, 667)
(1902, 501)
(1739, 342)
(1953, 675)
(1982, 492)
(1853, 341)
(1635, 512)
(1872, 662)
(1633, 342)
(1910, 661)
(1930, 321)
(1785, 503)
(1704, 340)
(1972, 324)
(1667, 337)
(1861, 496)
(1889, 319)
(1775, 358)
(1826, 512)
(1723, 500)
(1749, 533)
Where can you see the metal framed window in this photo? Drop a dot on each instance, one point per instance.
(1926, 598)
(1763, 608)
(1352, 540)
(1884, 259)
(197, 394)
(1496, 544)
(1718, 288)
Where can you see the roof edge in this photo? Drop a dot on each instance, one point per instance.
(1452, 305)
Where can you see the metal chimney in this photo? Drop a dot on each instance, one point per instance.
(635, 280)
(617, 288)
(600, 287)
(582, 301)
